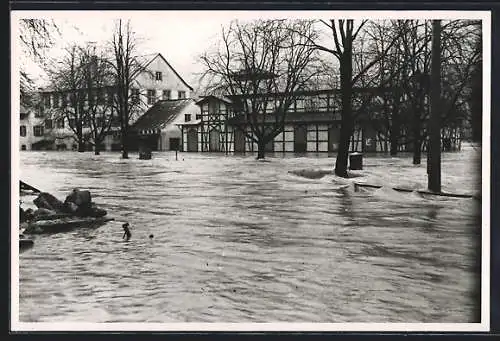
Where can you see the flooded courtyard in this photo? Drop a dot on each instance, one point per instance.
(241, 240)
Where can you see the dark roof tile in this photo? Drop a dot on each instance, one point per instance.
(161, 114)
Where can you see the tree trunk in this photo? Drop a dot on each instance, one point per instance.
(124, 137)
(343, 153)
(261, 150)
(81, 146)
(434, 147)
(417, 129)
(417, 149)
(346, 114)
(395, 127)
(81, 142)
(96, 149)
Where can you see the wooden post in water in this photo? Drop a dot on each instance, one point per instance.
(434, 151)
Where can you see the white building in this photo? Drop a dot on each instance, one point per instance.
(159, 81)
(159, 128)
(33, 128)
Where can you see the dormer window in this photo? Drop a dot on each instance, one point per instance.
(158, 76)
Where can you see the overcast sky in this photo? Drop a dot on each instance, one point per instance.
(180, 36)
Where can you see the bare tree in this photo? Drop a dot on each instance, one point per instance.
(344, 35)
(126, 67)
(404, 70)
(461, 61)
(36, 36)
(262, 65)
(457, 64)
(97, 77)
(67, 81)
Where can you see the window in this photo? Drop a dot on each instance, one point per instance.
(48, 124)
(198, 117)
(166, 95)
(38, 130)
(23, 130)
(187, 117)
(46, 100)
(135, 95)
(158, 76)
(151, 96)
(60, 123)
(182, 94)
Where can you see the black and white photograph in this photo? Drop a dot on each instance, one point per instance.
(250, 170)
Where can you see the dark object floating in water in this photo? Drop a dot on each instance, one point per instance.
(53, 215)
(24, 243)
(145, 154)
(310, 173)
(62, 224)
(151, 236)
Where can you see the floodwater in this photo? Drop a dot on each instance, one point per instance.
(241, 240)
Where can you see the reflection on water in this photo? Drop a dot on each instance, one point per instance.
(238, 240)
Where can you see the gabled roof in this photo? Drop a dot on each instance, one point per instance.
(161, 114)
(148, 59)
(143, 60)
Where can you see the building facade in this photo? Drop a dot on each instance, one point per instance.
(33, 130)
(157, 81)
(311, 125)
(159, 128)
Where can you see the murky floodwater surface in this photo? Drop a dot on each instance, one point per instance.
(238, 240)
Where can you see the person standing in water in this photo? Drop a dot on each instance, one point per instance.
(126, 234)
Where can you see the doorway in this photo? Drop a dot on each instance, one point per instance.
(300, 139)
(192, 140)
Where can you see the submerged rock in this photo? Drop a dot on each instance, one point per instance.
(310, 173)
